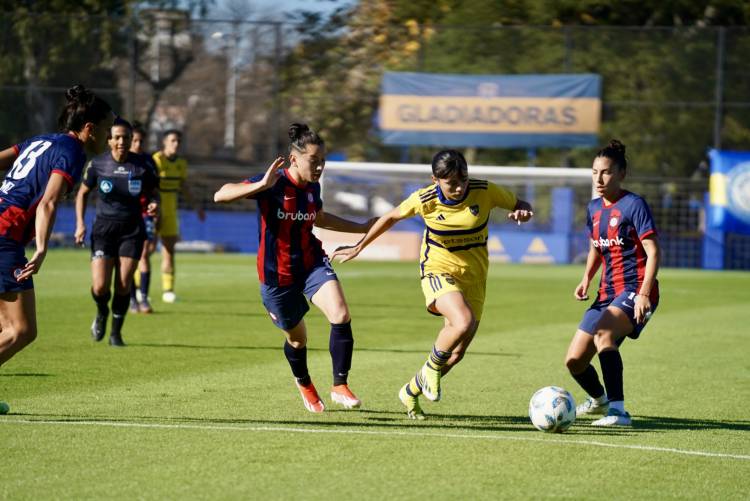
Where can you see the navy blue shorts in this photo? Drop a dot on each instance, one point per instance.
(12, 261)
(287, 305)
(625, 302)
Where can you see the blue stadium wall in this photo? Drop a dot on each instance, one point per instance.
(233, 231)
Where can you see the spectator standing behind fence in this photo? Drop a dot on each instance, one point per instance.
(172, 170)
(43, 169)
(117, 235)
(139, 300)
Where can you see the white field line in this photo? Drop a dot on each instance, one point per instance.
(276, 429)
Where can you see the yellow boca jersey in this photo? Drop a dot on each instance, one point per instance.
(172, 174)
(455, 237)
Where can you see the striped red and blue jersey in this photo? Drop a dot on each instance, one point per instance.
(617, 231)
(287, 248)
(24, 184)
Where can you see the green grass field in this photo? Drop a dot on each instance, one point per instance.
(201, 404)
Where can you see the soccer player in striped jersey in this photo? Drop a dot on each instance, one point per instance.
(292, 264)
(42, 170)
(454, 261)
(624, 242)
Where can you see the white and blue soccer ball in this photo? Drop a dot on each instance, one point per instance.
(552, 409)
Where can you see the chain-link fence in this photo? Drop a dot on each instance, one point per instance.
(233, 86)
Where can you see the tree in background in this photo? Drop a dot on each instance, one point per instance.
(657, 59)
(45, 48)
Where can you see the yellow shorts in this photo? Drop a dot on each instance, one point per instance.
(169, 224)
(435, 285)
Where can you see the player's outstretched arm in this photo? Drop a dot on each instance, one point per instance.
(81, 200)
(383, 224)
(236, 191)
(333, 222)
(45, 220)
(522, 212)
(593, 261)
(642, 300)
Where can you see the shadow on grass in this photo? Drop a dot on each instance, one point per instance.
(673, 423)
(279, 348)
(204, 313)
(25, 374)
(373, 420)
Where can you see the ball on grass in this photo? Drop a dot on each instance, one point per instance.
(4, 408)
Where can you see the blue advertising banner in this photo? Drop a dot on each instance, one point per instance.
(490, 110)
(729, 192)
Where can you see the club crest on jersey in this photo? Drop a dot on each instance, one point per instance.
(613, 222)
(134, 187)
(310, 197)
(105, 186)
(474, 209)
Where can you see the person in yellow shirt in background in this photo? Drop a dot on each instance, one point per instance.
(172, 170)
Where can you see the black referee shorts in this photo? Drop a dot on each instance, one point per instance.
(111, 238)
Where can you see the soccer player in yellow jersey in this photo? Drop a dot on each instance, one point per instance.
(453, 264)
(172, 170)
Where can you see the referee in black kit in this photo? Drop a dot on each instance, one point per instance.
(118, 232)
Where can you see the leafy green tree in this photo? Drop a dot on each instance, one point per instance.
(657, 60)
(48, 46)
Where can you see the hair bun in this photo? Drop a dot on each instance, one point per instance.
(78, 94)
(616, 145)
(297, 130)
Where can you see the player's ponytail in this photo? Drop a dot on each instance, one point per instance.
(82, 107)
(447, 163)
(300, 135)
(615, 151)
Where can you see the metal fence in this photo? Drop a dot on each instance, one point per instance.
(233, 86)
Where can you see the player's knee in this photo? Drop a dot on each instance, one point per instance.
(297, 345)
(604, 339)
(99, 289)
(340, 315)
(575, 364)
(465, 324)
(21, 336)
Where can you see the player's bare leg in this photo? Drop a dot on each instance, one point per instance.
(101, 276)
(457, 354)
(144, 270)
(578, 361)
(459, 327)
(17, 326)
(123, 283)
(17, 322)
(167, 268)
(295, 350)
(613, 326)
(330, 300)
